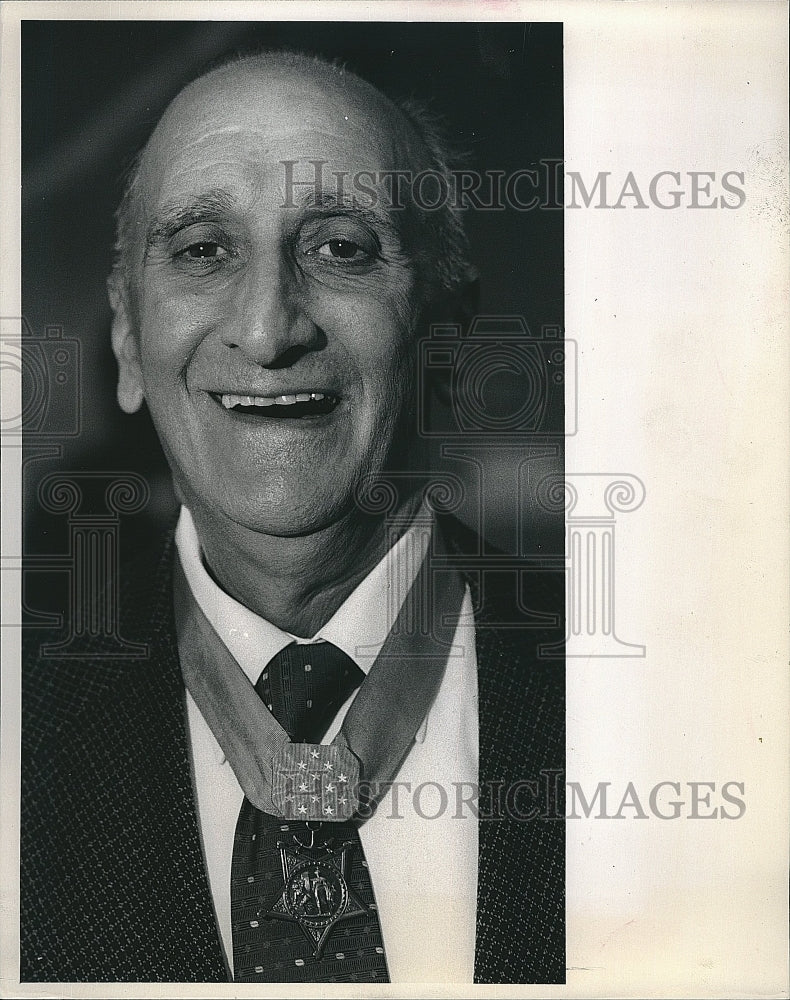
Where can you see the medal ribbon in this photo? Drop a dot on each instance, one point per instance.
(378, 728)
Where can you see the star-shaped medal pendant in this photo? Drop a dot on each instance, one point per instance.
(316, 895)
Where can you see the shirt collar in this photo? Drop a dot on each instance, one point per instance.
(358, 627)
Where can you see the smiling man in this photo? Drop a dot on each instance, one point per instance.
(275, 347)
(285, 789)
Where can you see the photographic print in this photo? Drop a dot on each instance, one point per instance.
(395, 489)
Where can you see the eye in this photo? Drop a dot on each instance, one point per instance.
(341, 249)
(205, 250)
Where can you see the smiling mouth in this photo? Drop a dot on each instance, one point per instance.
(286, 407)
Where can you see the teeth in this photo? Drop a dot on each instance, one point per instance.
(229, 400)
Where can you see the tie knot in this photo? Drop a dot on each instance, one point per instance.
(305, 684)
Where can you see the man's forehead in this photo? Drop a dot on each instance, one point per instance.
(269, 112)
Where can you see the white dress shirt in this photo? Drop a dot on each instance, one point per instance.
(421, 843)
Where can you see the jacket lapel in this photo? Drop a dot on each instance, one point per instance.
(521, 866)
(521, 705)
(119, 834)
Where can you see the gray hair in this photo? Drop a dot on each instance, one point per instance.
(445, 265)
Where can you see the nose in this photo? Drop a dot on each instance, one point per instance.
(269, 325)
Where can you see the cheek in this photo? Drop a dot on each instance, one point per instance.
(375, 332)
(171, 329)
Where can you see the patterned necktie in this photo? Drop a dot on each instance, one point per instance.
(302, 904)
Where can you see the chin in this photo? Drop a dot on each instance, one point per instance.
(285, 501)
(283, 511)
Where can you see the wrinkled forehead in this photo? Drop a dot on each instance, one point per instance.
(243, 122)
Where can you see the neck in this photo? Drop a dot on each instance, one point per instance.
(296, 583)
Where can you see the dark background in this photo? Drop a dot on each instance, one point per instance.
(93, 91)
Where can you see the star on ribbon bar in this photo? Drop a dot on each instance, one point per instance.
(305, 780)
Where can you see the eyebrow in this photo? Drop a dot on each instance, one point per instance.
(321, 202)
(211, 206)
(215, 205)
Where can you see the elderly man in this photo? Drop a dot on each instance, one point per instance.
(284, 789)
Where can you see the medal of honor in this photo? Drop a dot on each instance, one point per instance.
(316, 894)
(324, 783)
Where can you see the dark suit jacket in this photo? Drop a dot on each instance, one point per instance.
(113, 885)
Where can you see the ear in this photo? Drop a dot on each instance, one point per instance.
(459, 306)
(459, 309)
(126, 347)
(468, 304)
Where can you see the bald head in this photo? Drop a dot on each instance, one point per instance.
(302, 109)
(285, 89)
